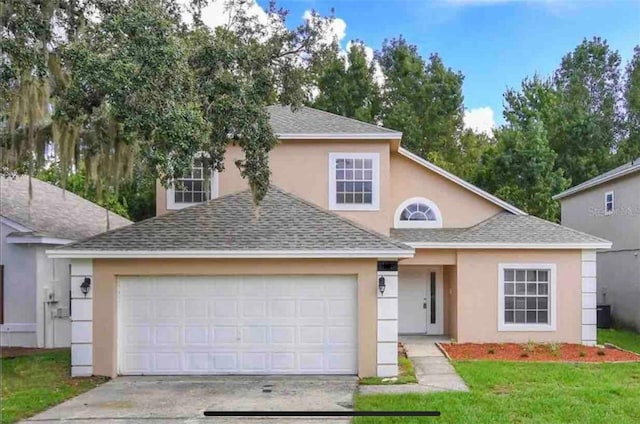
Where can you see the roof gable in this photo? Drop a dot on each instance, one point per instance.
(231, 226)
(459, 181)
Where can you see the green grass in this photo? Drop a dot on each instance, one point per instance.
(512, 392)
(31, 384)
(624, 339)
(406, 374)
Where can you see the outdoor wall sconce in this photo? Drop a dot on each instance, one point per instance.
(84, 287)
(381, 285)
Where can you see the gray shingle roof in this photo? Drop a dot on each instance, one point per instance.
(283, 222)
(502, 228)
(626, 169)
(311, 121)
(53, 212)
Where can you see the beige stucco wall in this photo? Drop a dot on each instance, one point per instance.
(459, 206)
(161, 199)
(477, 295)
(431, 257)
(106, 272)
(450, 301)
(302, 168)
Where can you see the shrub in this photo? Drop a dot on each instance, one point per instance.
(491, 351)
(554, 348)
(582, 353)
(531, 346)
(601, 352)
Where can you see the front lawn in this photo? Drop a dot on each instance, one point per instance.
(406, 374)
(31, 384)
(513, 392)
(624, 339)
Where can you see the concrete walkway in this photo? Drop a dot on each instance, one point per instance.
(433, 370)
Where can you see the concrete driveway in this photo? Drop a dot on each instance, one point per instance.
(184, 399)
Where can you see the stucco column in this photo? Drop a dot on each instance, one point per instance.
(589, 288)
(387, 357)
(81, 319)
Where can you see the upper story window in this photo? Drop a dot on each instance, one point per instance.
(192, 188)
(527, 297)
(609, 203)
(354, 181)
(418, 212)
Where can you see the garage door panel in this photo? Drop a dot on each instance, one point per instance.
(250, 325)
(253, 308)
(311, 308)
(224, 335)
(167, 362)
(168, 335)
(282, 335)
(196, 308)
(224, 308)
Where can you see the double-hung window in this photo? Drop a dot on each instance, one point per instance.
(193, 188)
(354, 181)
(609, 203)
(527, 297)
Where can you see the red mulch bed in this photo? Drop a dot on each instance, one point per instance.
(13, 352)
(537, 352)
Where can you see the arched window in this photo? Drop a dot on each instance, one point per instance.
(418, 212)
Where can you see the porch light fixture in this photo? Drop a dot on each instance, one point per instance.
(84, 287)
(381, 285)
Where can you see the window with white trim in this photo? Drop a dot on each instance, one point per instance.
(418, 212)
(193, 188)
(354, 181)
(527, 297)
(609, 203)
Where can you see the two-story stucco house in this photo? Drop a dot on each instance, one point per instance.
(609, 206)
(357, 241)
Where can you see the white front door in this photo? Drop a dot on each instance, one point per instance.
(237, 325)
(420, 300)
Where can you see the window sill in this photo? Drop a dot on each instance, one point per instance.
(526, 327)
(178, 206)
(361, 208)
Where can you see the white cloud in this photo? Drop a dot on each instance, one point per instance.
(480, 120)
(337, 29)
(216, 13)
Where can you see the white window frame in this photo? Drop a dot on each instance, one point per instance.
(213, 194)
(613, 203)
(375, 182)
(418, 224)
(551, 325)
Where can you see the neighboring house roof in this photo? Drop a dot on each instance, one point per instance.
(283, 225)
(626, 169)
(53, 215)
(309, 123)
(490, 197)
(503, 230)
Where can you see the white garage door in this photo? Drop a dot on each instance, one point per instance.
(237, 325)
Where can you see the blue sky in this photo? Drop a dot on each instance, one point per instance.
(495, 43)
